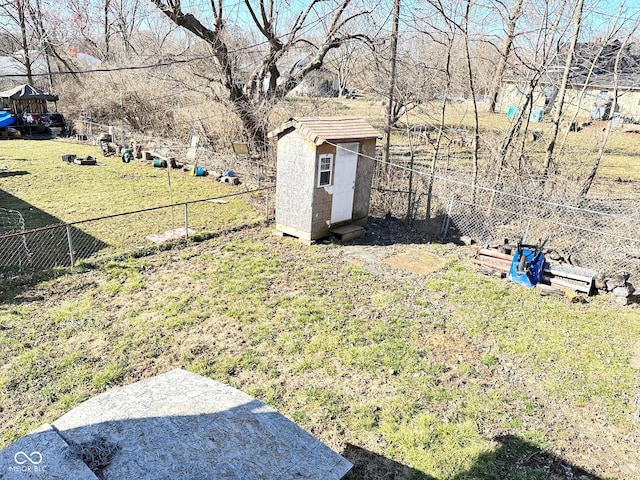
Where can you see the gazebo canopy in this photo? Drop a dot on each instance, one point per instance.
(27, 92)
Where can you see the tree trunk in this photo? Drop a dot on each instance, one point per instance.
(106, 29)
(253, 126)
(37, 18)
(504, 55)
(438, 142)
(472, 91)
(389, 117)
(24, 39)
(409, 218)
(577, 19)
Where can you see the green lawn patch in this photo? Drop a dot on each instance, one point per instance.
(47, 191)
(428, 372)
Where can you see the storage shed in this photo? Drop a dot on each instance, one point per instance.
(325, 168)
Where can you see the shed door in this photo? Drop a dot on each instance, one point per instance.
(344, 181)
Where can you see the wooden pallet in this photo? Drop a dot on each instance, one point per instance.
(560, 275)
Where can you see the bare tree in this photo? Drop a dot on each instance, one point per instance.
(270, 80)
(347, 63)
(127, 15)
(15, 23)
(472, 91)
(106, 30)
(81, 20)
(577, 19)
(388, 118)
(445, 37)
(417, 77)
(588, 182)
(531, 60)
(510, 32)
(46, 41)
(109, 28)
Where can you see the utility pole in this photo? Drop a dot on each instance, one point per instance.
(388, 121)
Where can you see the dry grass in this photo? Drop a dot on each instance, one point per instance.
(46, 190)
(422, 372)
(411, 373)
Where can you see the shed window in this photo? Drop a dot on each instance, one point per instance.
(325, 167)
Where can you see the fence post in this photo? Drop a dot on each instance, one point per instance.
(258, 172)
(445, 223)
(526, 232)
(72, 256)
(186, 222)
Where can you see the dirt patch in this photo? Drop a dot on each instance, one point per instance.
(415, 261)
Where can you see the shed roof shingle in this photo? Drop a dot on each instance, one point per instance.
(328, 129)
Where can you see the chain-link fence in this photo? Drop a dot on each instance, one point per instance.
(600, 232)
(63, 245)
(597, 240)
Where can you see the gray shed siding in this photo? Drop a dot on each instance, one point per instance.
(322, 197)
(295, 184)
(304, 209)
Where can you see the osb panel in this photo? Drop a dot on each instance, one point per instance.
(177, 422)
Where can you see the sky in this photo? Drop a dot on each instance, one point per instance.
(605, 12)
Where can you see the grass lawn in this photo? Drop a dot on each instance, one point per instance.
(445, 375)
(46, 191)
(442, 374)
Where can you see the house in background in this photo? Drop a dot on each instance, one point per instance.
(318, 83)
(324, 173)
(606, 93)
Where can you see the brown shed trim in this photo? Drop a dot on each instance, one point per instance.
(328, 129)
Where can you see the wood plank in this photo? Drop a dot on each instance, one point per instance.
(497, 265)
(494, 259)
(546, 290)
(563, 283)
(495, 254)
(346, 229)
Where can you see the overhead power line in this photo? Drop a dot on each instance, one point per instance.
(161, 64)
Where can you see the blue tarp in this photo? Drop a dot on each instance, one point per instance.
(6, 119)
